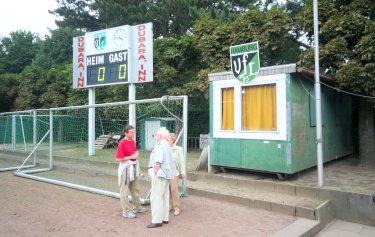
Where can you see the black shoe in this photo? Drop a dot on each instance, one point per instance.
(154, 225)
(165, 222)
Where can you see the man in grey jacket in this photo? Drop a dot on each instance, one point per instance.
(161, 172)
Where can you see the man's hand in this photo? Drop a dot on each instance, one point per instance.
(156, 167)
(134, 156)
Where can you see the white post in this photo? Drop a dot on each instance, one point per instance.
(131, 78)
(50, 139)
(34, 134)
(132, 117)
(13, 132)
(23, 133)
(91, 125)
(319, 140)
(185, 125)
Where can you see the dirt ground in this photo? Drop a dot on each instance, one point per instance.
(32, 208)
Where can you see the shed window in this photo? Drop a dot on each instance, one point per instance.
(259, 107)
(227, 114)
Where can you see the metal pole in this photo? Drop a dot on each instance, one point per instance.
(185, 125)
(50, 139)
(66, 184)
(23, 133)
(34, 135)
(16, 168)
(13, 132)
(319, 140)
(132, 117)
(132, 77)
(91, 125)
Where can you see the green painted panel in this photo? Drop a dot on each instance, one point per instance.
(337, 138)
(263, 155)
(302, 135)
(228, 152)
(249, 154)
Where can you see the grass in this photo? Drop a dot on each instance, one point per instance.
(80, 151)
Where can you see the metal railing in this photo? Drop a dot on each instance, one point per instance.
(197, 143)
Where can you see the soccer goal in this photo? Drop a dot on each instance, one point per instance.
(17, 138)
(61, 143)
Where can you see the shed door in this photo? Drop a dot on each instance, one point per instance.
(151, 129)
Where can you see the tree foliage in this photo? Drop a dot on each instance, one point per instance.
(8, 91)
(17, 51)
(193, 38)
(171, 18)
(56, 49)
(76, 14)
(346, 42)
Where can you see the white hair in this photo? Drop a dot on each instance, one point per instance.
(163, 131)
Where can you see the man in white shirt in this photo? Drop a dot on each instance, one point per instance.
(161, 172)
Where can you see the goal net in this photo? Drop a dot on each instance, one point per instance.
(55, 141)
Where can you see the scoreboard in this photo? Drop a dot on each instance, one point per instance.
(117, 55)
(108, 68)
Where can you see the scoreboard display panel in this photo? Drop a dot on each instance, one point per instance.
(107, 56)
(108, 68)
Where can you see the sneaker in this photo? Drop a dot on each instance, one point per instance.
(176, 212)
(139, 210)
(129, 215)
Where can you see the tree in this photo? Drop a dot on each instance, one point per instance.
(76, 14)
(57, 83)
(8, 91)
(18, 51)
(171, 18)
(347, 52)
(271, 28)
(175, 73)
(56, 49)
(31, 87)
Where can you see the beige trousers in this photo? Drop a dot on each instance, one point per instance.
(130, 189)
(174, 194)
(159, 198)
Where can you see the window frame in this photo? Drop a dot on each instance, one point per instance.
(221, 108)
(242, 86)
(281, 107)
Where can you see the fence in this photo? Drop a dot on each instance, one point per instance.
(198, 143)
(54, 141)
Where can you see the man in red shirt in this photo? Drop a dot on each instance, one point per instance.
(128, 172)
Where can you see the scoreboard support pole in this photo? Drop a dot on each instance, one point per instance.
(132, 117)
(131, 88)
(91, 127)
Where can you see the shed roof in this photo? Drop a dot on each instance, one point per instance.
(280, 69)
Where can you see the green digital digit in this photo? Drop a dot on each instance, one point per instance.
(101, 73)
(122, 72)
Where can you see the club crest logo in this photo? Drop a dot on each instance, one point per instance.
(99, 40)
(244, 60)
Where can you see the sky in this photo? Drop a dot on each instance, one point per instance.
(29, 15)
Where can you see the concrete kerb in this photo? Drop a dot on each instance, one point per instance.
(301, 228)
(352, 207)
(349, 206)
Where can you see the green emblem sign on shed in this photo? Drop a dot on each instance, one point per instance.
(244, 60)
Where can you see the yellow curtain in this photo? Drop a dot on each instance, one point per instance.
(259, 107)
(227, 116)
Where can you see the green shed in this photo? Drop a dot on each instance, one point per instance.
(268, 124)
(148, 130)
